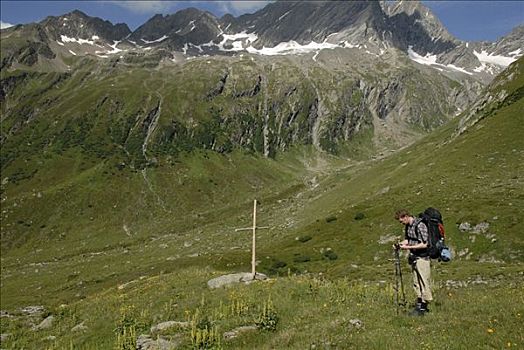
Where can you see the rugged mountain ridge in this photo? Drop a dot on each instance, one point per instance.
(285, 27)
(233, 104)
(57, 37)
(329, 74)
(79, 25)
(189, 26)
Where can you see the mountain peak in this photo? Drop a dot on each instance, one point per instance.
(77, 24)
(420, 14)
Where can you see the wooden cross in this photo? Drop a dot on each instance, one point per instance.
(254, 229)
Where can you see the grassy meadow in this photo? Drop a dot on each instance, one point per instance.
(119, 250)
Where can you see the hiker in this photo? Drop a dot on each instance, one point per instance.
(416, 241)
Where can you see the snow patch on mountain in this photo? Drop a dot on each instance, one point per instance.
(66, 39)
(115, 49)
(431, 60)
(4, 25)
(193, 26)
(284, 15)
(291, 47)
(155, 41)
(237, 41)
(243, 42)
(485, 57)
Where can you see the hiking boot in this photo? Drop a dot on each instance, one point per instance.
(419, 310)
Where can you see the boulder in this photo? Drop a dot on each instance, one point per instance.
(239, 330)
(242, 277)
(481, 228)
(144, 342)
(79, 327)
(355, 324)
(465, 227)
(169, 324)
(46, 324)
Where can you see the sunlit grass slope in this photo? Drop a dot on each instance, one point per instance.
(124, 250)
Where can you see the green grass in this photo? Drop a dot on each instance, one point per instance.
(309, 310)
(84, 274)
(77, 224)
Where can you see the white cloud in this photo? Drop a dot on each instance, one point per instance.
(146, 7)
(240, 7)
(4, 25)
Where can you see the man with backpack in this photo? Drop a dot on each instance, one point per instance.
(416, 238)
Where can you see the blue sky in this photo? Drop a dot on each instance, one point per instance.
(466, 20)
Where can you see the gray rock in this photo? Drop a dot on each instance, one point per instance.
(481, 228)
(384, 190)
(490, 259)
(4, 336)
(456, 284)
(355, 323)
(144, 342)
(242, 277)
(465, 227)
(46, 324)
(33, 310)
(79, 327)
(237, 331)
(169, 324)
(384, 239)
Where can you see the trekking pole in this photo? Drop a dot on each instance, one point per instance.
(400, 295)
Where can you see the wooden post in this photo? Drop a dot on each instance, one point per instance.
(253, 254)
(254, 229)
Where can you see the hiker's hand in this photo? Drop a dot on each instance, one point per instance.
(404, 246)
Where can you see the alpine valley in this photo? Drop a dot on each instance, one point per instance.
(128, 160)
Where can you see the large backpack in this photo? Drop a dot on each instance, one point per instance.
(437, 248)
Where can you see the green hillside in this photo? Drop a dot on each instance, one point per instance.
(121, 247)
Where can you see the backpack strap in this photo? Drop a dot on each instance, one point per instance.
(421, 252)
(417, 231)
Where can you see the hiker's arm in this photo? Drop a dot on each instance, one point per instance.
(422, 233)
(400, 244)
(413, 246)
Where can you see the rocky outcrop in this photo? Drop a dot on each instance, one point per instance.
(219, 87)
(307, 21)
(251, 92)
(78, 25)
(235, 278)
(259, 109)
(145, 342)
(169, 325)
(46, 323)
(501, 92)
(234, 333)
(188, 27)
(370, 26)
